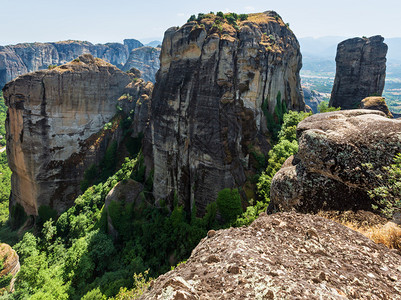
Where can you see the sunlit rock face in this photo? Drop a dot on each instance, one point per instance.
(206, 107)
(360, 71)
(55, 127)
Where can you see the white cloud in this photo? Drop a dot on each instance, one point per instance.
(181, 14)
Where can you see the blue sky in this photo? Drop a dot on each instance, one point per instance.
(112, 21)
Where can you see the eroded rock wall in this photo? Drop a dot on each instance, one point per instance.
(360, 71)
(27, 57)
(55, 127)
(145, 59)
(206, 112)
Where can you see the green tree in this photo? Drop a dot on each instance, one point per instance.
(229, 204)
(324, 107)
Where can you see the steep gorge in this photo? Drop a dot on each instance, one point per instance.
(207, 121)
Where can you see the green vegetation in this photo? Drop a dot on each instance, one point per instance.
(229, 204)
(274, 120)
(286, 146)
(324, 107)
(387, 194)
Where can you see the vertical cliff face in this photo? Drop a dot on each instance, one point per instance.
(361, 71)
(55, 127)
(206, 108)
(27, 57)
(145, 59)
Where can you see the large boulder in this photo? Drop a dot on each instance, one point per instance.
(361, 71)
(207, 117)
(284, 256)
(56, 127)
(333, 169)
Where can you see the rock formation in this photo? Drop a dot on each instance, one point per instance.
(206, 114)
(321, 259)
(23, 58)
(376, 103)
(361, 71)
(313, 98)
(339, 156)
(55, 127)
(10, 266)
(145, 59)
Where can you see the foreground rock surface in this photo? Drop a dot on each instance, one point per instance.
(10, 265)
(55, 127)
(206, 113)
(284, 256)
(339, 156)
(360, 71)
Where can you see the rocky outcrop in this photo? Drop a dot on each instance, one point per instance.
(10, 266)
(56, 127)
(321, 259)
(206, 114)
(339, 156)
(145, 59)
(376, 103)
(313, 98)
(361, 71)
(123, 193)
(23, 58)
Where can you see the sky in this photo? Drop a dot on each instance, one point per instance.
(101, 21)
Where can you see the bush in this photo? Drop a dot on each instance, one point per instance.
(324, 107)
(243, 17)
(220, 14)
(286, 146)
(387, 195)
(229, 204)
(191, 18)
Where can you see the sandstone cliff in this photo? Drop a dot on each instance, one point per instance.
(284, 256)
(145, 59)
(23, 58)
(206, 114)
(10, 266)
(55, 127)
(313, 98)
(330, 170)
(361, 71)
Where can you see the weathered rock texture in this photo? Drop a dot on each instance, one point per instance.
(10, 265)
(23, 58)
(376, 103)
(313, 98)
(284, 256)
(55, 127)
(207, 117)
(331, 169)
(145, 59)
(361, 71)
